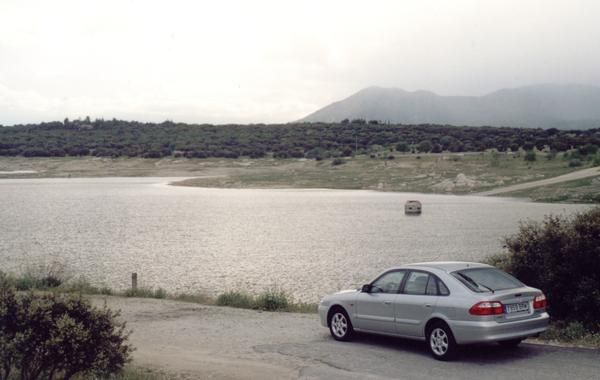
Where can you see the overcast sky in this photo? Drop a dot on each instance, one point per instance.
(276, 61)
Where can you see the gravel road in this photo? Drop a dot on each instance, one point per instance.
(585, 173)
(208, 342)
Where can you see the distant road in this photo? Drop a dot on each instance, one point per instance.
(585, 173)
(208, 342)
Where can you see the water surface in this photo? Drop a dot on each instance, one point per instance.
(308, 242)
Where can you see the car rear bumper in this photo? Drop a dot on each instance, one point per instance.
(492, 331)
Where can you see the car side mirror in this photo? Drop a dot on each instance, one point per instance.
(366, 288)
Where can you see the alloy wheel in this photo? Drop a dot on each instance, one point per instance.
(439, 341)
(339, 325)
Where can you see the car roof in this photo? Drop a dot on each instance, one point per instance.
(446, 266)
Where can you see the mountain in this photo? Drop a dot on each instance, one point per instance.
(546, 106)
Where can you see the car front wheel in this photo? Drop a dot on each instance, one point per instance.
(441, 342)
(340, 325)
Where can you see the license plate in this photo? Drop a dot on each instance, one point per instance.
(517, 307)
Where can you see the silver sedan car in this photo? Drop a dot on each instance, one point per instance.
(443, 303)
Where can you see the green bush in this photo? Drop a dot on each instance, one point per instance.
(530, 156)
(57, 336)
(272, 300)
(43, 276)
(402, 147)
(574, 162)
(236, 299)
(561, 256)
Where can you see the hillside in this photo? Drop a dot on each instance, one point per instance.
(119, 138)
(546, 106)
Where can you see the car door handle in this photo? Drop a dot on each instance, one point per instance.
(387, 302)
(427, 305)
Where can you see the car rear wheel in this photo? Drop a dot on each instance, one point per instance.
(340, 325)
(441, 342)
(513, 343)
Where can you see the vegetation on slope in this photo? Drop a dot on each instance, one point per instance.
(117, 138)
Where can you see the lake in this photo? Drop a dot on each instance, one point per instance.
(307, 242)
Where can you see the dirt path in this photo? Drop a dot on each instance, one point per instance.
(585, 173)
(208, 342)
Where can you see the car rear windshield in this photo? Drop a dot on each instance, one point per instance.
(487, 279)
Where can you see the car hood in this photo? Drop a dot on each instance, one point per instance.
(347, 291)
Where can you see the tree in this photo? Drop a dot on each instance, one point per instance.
(359, 121)
(425, 146)
(402, 147)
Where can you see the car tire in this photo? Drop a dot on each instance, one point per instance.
(441, 342)
(512, 343)
(340, 325)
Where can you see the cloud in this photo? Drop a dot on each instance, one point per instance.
(274, 61)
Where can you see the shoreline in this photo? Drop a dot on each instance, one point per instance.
(175, 182)
(546, 181)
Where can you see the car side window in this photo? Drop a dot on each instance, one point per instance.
(416, 283)
(388, 282)
(432, 289)
(442, 288)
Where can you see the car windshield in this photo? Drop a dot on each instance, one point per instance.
(487, 279)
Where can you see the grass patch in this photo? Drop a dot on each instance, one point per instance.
(159, 293)
(585, 190)
(236, 299)
(272, 299)
(193, 298)
(428, 173)
(572, 333)
(41, 276)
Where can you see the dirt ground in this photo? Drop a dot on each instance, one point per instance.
(193, 341)
(196, 341)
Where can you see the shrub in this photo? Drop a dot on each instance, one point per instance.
(50, 336)
(43, 276)
(425, 146)
(236, 299)
(402, 147)
(337, 161)
(272, 300)
(194, 298)
(530, 156)
(572, 332)
(561, 256)
(574, 162)
(551, 154)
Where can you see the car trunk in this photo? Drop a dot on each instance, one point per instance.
(517, 302)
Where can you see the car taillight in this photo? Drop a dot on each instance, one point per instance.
(487, 308)
(540, 302)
